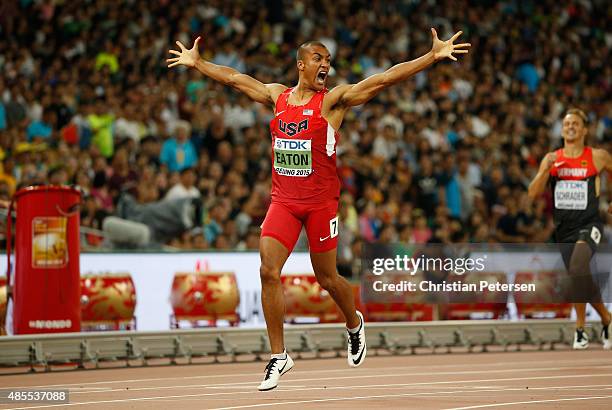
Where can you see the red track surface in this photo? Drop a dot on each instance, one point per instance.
(544, 380)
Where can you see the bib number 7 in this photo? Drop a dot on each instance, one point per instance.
(333, 227)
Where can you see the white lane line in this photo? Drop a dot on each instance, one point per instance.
(359, 376)
(237, 407)
(580, 362)
(408, 395)
(437, 385)
(253, 391)
(381, 396)
(482, 406)
(232, 387)
(370, 376)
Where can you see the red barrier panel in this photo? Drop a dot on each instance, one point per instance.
(47, 285)
(3, 304)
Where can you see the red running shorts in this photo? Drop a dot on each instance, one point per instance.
(284, 223)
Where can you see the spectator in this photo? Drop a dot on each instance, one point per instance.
(421, 232)
(213, 227)
(101, 123)
(466, 189)
(427, 187)
(39, 130)
(494, 120)
(123, 177)
(450, 184)
(185, 188)
(508, 229)
(179, 153)
(385, 145)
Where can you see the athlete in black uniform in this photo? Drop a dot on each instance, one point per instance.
(573, 174)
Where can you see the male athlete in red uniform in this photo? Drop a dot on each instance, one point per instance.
(573, 172)
(305, 187)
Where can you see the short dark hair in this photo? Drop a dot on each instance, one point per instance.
(302, 49)
(578, 112)
(55, 170)
(188, 169)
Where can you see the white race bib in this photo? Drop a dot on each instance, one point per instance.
(293, 157)
(571, 195)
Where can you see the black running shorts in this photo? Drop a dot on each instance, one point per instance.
(591, 233)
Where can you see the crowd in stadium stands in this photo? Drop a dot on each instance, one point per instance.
(86, 99)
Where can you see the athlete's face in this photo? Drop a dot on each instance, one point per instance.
(574, 129)
(315, 66)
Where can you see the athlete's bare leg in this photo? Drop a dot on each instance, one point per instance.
(324, 265)
(580, 315)
(603, 312)
(273, 256)
(579, 264)
(601, 309)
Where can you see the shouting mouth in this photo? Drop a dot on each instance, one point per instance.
(322, 76)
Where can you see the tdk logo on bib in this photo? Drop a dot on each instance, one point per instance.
(292, 128)
(293, 144)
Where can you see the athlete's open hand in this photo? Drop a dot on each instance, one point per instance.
(185, 57)
(445, 49)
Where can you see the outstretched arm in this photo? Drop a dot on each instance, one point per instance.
(254, 89)
(603, 162)
(357, 94)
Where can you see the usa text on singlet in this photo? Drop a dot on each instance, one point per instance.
(303, 152)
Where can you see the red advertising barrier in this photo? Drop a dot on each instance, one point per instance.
(47, 285)
(3, 304)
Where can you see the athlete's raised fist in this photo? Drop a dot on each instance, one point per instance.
(550, 160)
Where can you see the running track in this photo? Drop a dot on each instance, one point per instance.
(561, 379)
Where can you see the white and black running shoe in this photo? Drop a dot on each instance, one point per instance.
(274, 370)
(581, 340)
(605, 336)
(357, 344)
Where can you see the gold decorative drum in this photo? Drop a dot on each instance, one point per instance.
(546, 284)
(399, 305)
(207, 296)
(551, 286)
(304, 297)
(107, 299)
